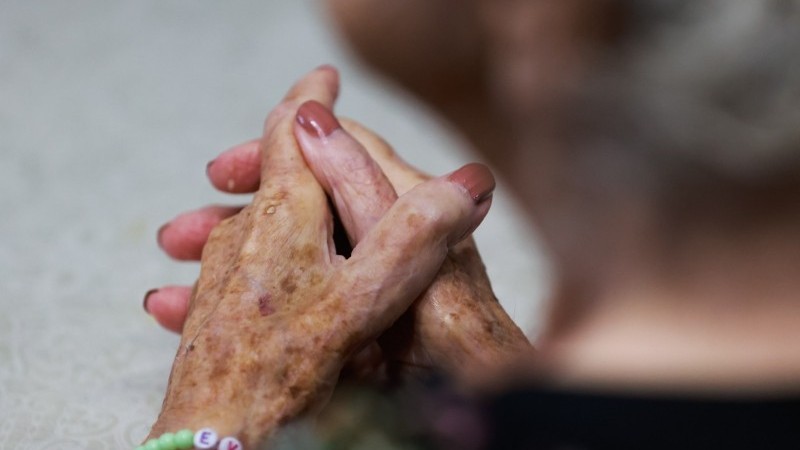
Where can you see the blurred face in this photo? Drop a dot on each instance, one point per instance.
(502, 72)
(431, 47)
(518, 49)
(495, 68)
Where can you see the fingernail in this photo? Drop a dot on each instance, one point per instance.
(208, 166)
(160, 235)
(316, 119)
(146, 297)
(477, 179)
(329, 67)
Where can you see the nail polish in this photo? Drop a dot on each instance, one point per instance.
(316, 119)
(477, 179)
(147, 296)
(159, 236)
(328, 67)
(208, 166)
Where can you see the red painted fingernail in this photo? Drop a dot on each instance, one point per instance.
(329, 67)
(160, 235)
(477, 179)
(208, 167)
(146, 297)
(316, 119)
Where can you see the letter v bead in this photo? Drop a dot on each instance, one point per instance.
(230, 443)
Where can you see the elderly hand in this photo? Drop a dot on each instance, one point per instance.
(456, 325)
(276, 312)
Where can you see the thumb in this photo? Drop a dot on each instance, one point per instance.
(401, 255)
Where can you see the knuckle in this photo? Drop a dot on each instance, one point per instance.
(434, 208)
(423, 212)
(361, 170)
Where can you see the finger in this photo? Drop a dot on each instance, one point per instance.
(360, 191)
(169, 306)
(401, 255)
(237, 170)
(402, 175)
(293, 206)
(279, 151)
(184, 237)
(321, 84)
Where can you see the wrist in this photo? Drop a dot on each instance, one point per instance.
(250, 417)
(187, 439)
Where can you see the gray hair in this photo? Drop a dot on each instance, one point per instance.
(711, 84)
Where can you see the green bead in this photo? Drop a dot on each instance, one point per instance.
(152, 444)
(167, 442)
(184, 439)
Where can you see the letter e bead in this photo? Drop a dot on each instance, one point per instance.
(205, 438)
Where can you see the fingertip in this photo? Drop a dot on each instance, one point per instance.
(316, 119)
(184, 237)
(238, 169)
(478, 182)
(321, 84)
(147, 297)
(476, 179)
(160, 235)
(168, 306)
(453, 205)
(478, 215)
(334, 78)
(208, 167)
(328, 67)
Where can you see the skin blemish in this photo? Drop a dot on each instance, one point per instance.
(276, 196)
(231, 184)
(264, 305)
(219, 370)
(271, 210)
(288, 285)
(414, 221)
(189, 348)
(306, 254)
(315, 279)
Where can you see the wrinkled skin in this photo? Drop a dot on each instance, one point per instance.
(276, 313)
(457, 324)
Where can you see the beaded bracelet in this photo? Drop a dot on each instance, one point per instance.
(205, 438)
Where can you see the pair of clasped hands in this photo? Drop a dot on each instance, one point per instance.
(277, 314)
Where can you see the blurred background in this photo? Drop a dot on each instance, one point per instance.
(109, 112)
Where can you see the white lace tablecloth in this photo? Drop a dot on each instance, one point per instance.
(108, 114)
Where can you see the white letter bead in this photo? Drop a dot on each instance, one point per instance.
(205, 438)
(229, 443)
